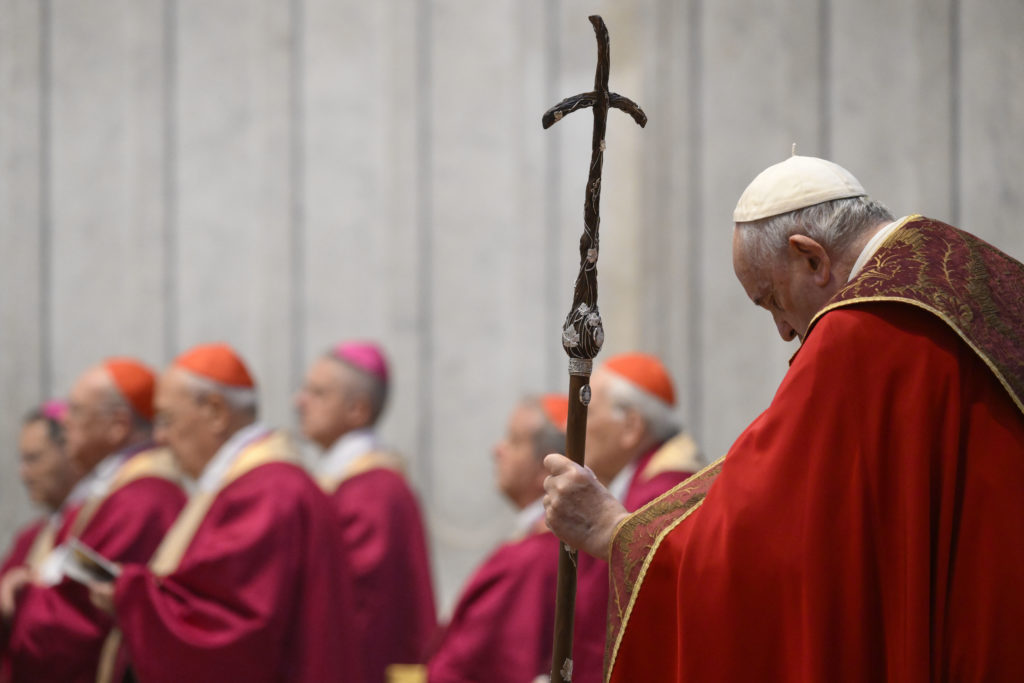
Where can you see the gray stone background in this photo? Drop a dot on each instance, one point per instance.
(281, 174)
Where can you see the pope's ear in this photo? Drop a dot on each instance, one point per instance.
(812, 256)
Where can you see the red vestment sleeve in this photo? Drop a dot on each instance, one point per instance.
(868, 526)
(57, 633)
(19, 550)
(502, 628)
(591, 611)
(261, 593)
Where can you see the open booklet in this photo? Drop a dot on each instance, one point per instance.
(83, 564)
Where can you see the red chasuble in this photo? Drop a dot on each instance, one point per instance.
(250, 585)
(56, 634)
(382, 532)
(869, 526)
(657, 471)
(502, 628)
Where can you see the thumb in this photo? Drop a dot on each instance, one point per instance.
(556, 463)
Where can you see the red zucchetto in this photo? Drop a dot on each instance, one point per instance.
(645, 372)
(217, 362)
(135, 382)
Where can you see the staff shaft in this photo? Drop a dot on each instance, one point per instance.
(565, 601)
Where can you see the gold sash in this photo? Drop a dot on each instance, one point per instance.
(369, 461)
(42, 545)
(154, 462)
(678, 454)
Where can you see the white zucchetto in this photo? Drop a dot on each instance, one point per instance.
(796, 183)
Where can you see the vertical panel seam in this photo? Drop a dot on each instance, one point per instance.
(695, 135)
(296, 161)
(170, 208)
(45, 199)
(656, 249)
(424, 221)
(954, 113)
(824, 77)
(552, 191)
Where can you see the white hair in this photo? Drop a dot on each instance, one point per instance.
(659, 417)
(364, 384)
(115, 400)
(239, 399)
(835, 225)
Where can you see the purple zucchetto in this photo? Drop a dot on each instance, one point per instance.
(365, 356)
(55, 409)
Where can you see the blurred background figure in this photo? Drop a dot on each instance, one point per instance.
(49, 477)
(502, 626)
(636, 447)
(131, 495)
(380, 523)
(249, 584)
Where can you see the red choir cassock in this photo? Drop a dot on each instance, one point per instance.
(502, 628)
(24, 539)
(656, 472)
(869, 525)
(249, 585)
(31, 545)
(57, 633)
(24, 542)
(386, 549)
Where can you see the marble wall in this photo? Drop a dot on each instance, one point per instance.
(283, 174)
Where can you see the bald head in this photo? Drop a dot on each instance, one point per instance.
(196, 416)
(624, 421)
(530, 434)
(99, 420)
(337, 398)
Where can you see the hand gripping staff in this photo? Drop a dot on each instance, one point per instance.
(583, 333)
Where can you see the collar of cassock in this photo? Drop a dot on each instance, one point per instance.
(212, 475)
(345, 450)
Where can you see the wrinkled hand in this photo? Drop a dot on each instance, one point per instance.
(579, 509)
(102, 595)
(10, 585)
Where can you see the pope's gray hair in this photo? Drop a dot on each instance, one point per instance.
(662, 423)
(835, 225)
(239, 399)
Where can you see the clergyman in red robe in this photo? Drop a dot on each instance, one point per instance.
(249, 584)
(132, 495)
(868, 525)
(49, 476)
(378, 516)
(502, 627)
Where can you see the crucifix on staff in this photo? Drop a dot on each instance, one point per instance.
(583, 331)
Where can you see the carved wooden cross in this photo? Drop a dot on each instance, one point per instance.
(583, 332)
